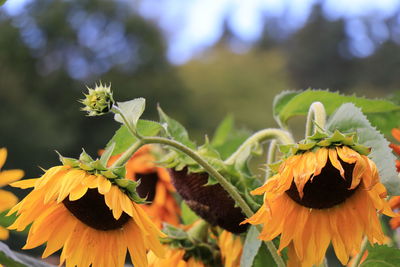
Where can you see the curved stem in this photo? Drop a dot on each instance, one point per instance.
(270, 157)
(127, 154)
(262, 135)
(316, 117)
(360, 254)
(221, 180)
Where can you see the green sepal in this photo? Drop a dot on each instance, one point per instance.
(84, 157)
(348, 141)
(324, 143)
(109, 174)
(123, 183)
(119, 171)
(318, 135)
(336, 137)
(86, 167)
(68, 161)
(363, 150)
(98, 165)
(307, 146)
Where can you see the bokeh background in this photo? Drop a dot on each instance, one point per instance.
(199, 59)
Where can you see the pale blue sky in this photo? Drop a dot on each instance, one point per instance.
(191, 26)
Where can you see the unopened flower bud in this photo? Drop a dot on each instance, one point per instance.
(98, 101)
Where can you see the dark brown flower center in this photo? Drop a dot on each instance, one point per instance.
(147, 187)
(92, 210)
(212, 203)
(326, 189)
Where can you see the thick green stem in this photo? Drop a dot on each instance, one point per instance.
(283, 136)
(221, 180)
(316, 117)
(358, 257)
(127, 154)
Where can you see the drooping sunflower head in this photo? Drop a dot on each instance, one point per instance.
(325, 190)
(7, 199)
(89, 211)
(155, 185)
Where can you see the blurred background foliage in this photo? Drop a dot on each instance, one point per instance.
(50, 50)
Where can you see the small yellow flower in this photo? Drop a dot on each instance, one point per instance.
(327, 194)
(7, 199)
(92, 219)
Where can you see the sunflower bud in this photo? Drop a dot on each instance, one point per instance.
(98, 101)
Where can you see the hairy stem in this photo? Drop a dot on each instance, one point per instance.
(283, 136)
(127, 154)
(316, 117)
(270, 158)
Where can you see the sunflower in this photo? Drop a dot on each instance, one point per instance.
(395, 201)
(174, 257)
(396, 148)
(231, 248)
(7, 199)
(155, 185)
(87, 214)
(324, 192)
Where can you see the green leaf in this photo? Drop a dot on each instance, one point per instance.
(123, 139)
(227, 138)
(280, 101)
(222, 132)
(250, 248)
(368, 136)
(380, 256)
(263, 257)
(132, 110)
(10, 258)
(174, 129)
(188, 216)
(290, 104)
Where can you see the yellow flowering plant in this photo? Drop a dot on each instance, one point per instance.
(157, 195)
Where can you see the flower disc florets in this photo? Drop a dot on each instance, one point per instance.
(98, 101)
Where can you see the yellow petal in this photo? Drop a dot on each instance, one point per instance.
(134, 239)
(347, 154)
(9, 176)
(24, 184)
(3, 233)
(358, 172)
(7, 200)
(321, 156)
(3, 156)
(335, 162)
(104, 185)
